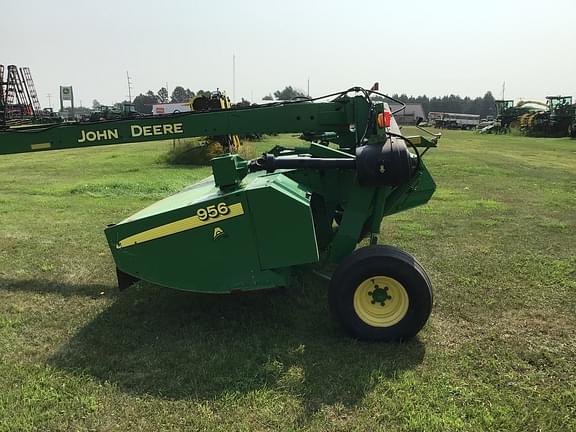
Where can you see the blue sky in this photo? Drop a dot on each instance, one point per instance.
(418, 47)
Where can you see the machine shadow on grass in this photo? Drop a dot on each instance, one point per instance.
(36, 286)
(178, 345)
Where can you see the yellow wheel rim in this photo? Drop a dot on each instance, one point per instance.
(381, 301)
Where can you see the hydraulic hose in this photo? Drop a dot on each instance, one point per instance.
(271, 163)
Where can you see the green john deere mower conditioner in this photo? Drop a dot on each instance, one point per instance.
(252, 223)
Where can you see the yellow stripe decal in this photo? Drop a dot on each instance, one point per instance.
(41, 146)
(178, 226)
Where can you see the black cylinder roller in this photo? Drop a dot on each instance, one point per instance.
(390, 164)
(271, 163)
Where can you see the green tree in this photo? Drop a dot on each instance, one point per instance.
(268, 97)
(143, 103)
(181, 95)
(288, 93)
(488, 105)
(96, 104)
(203, 93)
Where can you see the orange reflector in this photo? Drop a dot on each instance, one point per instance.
(384, 119)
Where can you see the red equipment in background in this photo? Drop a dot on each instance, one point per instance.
(18, 98)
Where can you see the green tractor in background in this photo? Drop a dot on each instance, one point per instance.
(509, 116)
(555, 121)
(105, 112)
(572, 125)
(505, 114)
(553, 118)
(202, 151)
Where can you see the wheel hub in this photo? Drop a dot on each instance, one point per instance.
(379, 295)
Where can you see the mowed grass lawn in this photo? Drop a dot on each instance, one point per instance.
(499, 351)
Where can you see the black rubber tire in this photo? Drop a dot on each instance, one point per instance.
(378, 260)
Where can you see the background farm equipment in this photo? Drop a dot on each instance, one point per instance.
(18, 98)
(253, 223)
(104, 112)
(203, 151)
(572, 126)
(508, 115)
(554, 121)
(504, 116)
(553, 118)
(444, 120)
(19, 104)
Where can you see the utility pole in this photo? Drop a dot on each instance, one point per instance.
(503, 88)
(49, 96)
(308, 93)
(129, 87)
(233, 78)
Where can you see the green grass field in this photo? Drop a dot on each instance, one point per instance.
(499, 351)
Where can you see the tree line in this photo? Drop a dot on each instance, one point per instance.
(484, 106)
(143, 102)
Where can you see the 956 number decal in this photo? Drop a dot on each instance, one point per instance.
(213, 211)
